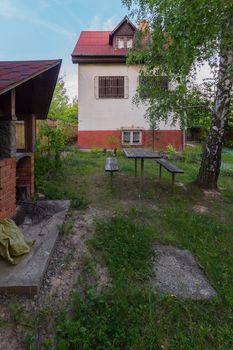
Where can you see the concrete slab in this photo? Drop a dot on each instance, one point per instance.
(26, 277)
(177, 272)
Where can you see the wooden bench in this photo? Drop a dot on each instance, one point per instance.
(169, 167)
(111, 166)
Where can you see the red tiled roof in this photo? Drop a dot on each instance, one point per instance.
(96, 43)
(14, 73)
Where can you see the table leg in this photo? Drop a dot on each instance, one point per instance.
(135, 164)
(142, 166)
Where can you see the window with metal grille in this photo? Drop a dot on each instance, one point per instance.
(111, 87)
(147, 84)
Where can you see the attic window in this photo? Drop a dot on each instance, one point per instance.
(129, 43)
(120, 43)
(124, 42)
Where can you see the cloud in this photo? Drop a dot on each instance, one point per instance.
(54, 28)
(9, 10)
(69, 72)
(97, 23)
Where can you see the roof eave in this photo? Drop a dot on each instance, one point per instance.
(98, 59)
(10, 87)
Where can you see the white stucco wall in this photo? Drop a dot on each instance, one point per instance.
(109, 114)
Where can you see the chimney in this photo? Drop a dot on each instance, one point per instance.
(143, 25)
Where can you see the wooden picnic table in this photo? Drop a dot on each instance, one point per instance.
(140, 153)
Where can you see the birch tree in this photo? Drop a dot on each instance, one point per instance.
(181, 35)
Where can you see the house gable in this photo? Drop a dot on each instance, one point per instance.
(101, 47)
(124, 29)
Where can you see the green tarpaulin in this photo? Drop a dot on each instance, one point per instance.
(12, 242)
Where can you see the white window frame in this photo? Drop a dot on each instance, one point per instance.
(131, 143)
(120, 43)
(129, 43)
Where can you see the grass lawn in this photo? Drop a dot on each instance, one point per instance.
(130, 314)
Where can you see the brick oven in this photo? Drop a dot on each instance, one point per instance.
(26, 90)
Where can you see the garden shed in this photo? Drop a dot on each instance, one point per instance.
(26, 90)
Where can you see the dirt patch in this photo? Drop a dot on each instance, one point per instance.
(212, 193)
(181, 185)
(177, 272)
(140, 204)
(200, 209)
(62, 277)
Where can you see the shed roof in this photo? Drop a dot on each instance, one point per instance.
(14, 73)
(34, 83)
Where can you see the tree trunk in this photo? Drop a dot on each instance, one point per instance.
(211, 159)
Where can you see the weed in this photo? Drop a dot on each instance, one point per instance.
(67, 227)
(17, 312)
(87, 265)
(67, 260)
(79, 202)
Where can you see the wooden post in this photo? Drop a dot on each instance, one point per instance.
(13, 115)
(30, 133)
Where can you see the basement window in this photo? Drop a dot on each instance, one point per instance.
(131, 137)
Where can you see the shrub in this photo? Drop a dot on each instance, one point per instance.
(79, 203)
(226, 169)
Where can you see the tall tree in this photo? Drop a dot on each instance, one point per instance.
(61, 108)
(182, 35)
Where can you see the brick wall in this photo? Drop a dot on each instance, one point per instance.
(7, 188)
(100, 139)
(25, 173)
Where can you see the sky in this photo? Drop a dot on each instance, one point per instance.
(49, 29)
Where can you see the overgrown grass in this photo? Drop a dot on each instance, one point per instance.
(130, 314)
(126, 248)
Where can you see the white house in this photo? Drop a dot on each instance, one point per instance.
(107, 116)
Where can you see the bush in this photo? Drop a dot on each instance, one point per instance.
(192, 155)
(50, 144)
(226, 170)
(79, 203)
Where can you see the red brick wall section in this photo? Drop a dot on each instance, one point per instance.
(25, 173)
(102, 138)
(7, 188)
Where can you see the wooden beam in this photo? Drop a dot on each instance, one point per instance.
(30, 133)
(13, 115)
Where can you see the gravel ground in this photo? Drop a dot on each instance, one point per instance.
(60, 280)
(177, 272)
